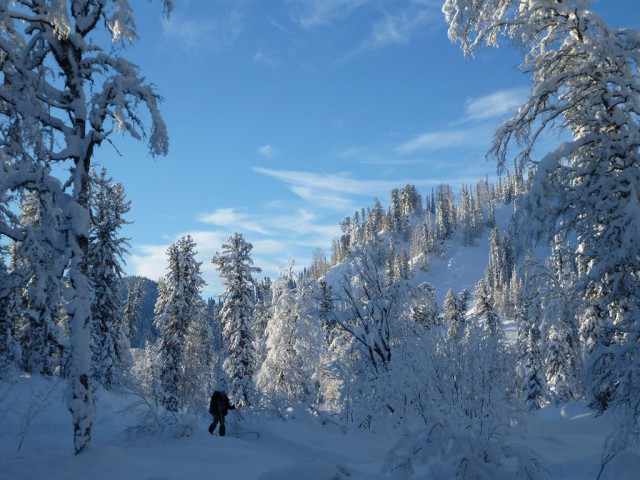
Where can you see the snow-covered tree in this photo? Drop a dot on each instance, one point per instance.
(293, 343)
(10, 352)
(110, 341)
(484, 309)
(370, 303)
(40, 264)
(261, 316)
(200, 354)
(178, 306)
(324, 306)
(468, 221)
(560, 377)
(320, 265)
(445, 213)
(217, 346)
(148, 294)
(533, 383)
(63, 95)
(454, 310)
(132, 312)
(395, 217)
(586, 83)
(236, 269)
(424, 308)
(375, 223)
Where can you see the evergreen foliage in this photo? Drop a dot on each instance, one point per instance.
(133, 311)
(42, 266)
(236, 270)
(179, 315)
(110, 341)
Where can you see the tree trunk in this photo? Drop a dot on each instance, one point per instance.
(80, 399)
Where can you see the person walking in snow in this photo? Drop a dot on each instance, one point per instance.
(219, 407)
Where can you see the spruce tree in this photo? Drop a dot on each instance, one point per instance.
(533, 386)
(424, 309)
(454, 311)
(558, 367)
(262, 315)
(42, 267)
(236, 270)
(484, 309)
(178, 306)
(132, 313)
(451, 316)
(111, 357)
(324, 305)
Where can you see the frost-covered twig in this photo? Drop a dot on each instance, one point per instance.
(615, 444)
(34, 410)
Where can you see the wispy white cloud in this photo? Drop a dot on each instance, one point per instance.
(496, 104)
(277, 239)
(478, 112)
(438, 140)
(267, 57)
(399, 27)
(330, 191)
(267, 151)
(372, 156)
(234, 220)
(314, 13)
(202, 33)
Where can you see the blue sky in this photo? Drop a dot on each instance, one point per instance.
(286, 116)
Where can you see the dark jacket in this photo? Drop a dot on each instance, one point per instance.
(220, 405)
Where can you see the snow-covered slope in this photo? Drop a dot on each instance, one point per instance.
(568, 441)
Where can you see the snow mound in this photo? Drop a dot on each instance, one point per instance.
(308, 471)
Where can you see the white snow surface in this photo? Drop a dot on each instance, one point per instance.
(568, 440)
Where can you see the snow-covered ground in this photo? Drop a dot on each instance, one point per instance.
(36, 443)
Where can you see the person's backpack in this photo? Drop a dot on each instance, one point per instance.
(219, 403)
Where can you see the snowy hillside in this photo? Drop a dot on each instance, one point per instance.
(566, 442)
(35, 444)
